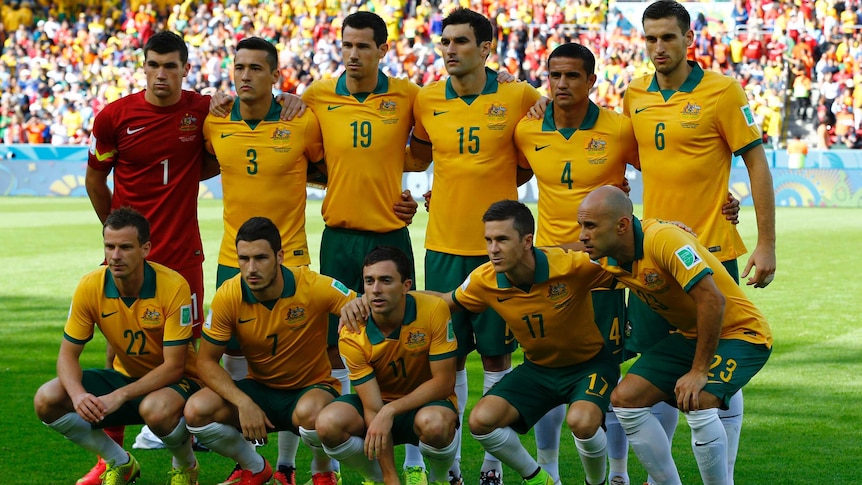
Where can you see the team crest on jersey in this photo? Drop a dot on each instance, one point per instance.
(151, 318)
(388, 109)
(597, 150)
(415, 339)
(558, 291)
(188, 123)
(690, 113)
(280, 139)
(496, 114)
(651, 278)
(296, 318)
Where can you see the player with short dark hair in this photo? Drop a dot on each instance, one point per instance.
(410, 334)
(279, 316)
(466, 124)
(144, 309)
(689, 123)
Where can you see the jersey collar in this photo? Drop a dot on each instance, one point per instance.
(274, 114)
(491, 85)
(381, 88)
(148, 289)
(286, 292)
(540, 275)
(639, 245)
(588, 123)
(375, 336)
(691, 82)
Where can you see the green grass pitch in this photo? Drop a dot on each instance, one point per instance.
(801, 412)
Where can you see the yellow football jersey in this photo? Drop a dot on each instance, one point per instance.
(364, 136)
(137, 328)
(475, 159)
(686, 139)
(553, 318)
(263, 173)
(569, 163)
(668, 262)
(401, 360)
(283, 340)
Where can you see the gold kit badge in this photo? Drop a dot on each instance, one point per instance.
(151, 318)
(388, 109)
(415, 339)
(652, 278)
(496, 114)
(690, 114)
(296, 318)
(557, 291)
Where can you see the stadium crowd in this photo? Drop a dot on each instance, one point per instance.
(62, 61)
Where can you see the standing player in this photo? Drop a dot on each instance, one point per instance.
(152, 142)
(721, 338)
(466, 124)
(574, 148)
(688, 124)
(263, 163)
(144, 308)
(366, 118)
(278, 316)
(402, 367)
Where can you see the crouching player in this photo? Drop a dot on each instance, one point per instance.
(144, 311)
(402, 368)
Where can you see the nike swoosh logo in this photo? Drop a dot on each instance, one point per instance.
(638, 110)
(696, 443)
(132, 132)
(332, 107)
(501, 300)
(540, 148)
(225, 135)
(438, 113)
(241, 321)
(106, 315)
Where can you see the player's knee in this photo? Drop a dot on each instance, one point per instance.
(309, 406)
(622, 396)
(483, 418)
(160, 412)
(584, 419)
(329, 426)
(199, 409)
(436, 428)
(48, 399)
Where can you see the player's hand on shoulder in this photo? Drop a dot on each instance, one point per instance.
(684, 227)
(731, 209)
(537, 111)
(406, 207)
(353, 314)
(504, 76)
(221, 104)
(292, 106)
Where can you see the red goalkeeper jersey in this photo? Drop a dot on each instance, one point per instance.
(156, 154)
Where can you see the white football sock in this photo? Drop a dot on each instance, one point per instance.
(228, 441)
(351, 454)
(547, 431)
(288, 444)
(593, 452)
(731, 419)
(461, 394)
(668, 417)
(344, 378)
(179, 443)
(439, 460)
(649, 441)
(618, 448)
(79, 431)
(321, 462)
(709, 443)
(413, 456)
(491, 462)
(504, 443)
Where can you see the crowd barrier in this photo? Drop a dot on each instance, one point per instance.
(831, 178)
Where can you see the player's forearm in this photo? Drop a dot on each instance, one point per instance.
(70, 374)
(100, 197)
(763, 193)
(169, 372)
(210, 166)
(710, 314)
(216, 378)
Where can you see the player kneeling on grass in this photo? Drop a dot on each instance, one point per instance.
(279, 316)
(402, 368)
(144, 308)
(721, 339)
